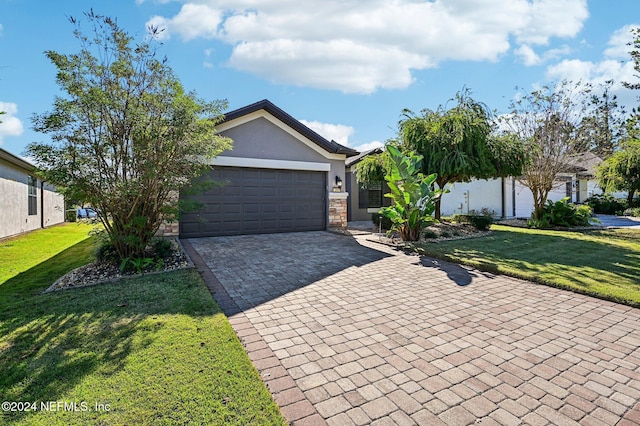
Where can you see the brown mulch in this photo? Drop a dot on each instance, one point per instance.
(438, 232)
(103, 272)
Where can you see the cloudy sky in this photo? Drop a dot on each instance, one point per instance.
(346, 68)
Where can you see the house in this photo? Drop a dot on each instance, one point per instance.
(505, 197)
(493, 194)
(364, 201)
(26, 202)
(280, 176)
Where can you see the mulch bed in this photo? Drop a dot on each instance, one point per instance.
(438, 232)
(103, 272)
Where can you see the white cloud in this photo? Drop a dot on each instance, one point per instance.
(337, 132)
(340, 133)
(619, 43)
(1, 29)
(609, 68)
(11, 125)
(368, 146)
(529, 57)
(193, 20)
(360, 46)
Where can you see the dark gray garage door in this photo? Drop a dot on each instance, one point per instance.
(259, 201)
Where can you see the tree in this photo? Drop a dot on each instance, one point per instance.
(635, 57)
(126, 137)
(602, 128)
(621, 171)
(546, 121)
(458, 144)
(372, 168)
(413, 198)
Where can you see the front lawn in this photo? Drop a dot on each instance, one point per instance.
(603, 263)
(150, 350)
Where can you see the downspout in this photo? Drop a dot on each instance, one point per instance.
(513, 195)
(41, 203)
(504, 198)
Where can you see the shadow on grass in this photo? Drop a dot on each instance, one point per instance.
(459, 274)
(593, 262)
(50, 342)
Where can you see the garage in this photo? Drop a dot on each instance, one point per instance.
(279, 176)
(258, 201)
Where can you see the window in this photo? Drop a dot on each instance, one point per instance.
(32, 183)
(371, 196)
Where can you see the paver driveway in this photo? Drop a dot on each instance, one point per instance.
(347, 331)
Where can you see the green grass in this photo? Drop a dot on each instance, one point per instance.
(19, 254)
(155, 349)
(604, 264)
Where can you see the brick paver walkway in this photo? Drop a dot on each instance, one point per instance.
(346, 331)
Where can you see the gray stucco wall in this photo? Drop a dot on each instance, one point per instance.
(356, 213)
(262, 139)
(14, 211)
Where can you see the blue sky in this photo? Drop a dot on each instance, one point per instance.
(347, 68)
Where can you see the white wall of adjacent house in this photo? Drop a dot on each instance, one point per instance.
(15, 217)
(465, 197)
(593, 188)
(524, 197)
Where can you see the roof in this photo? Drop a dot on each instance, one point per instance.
(328, 145)
(15, 160)
(356, 159)
(584, 164)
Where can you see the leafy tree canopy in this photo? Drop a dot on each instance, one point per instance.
(621, 171)
(125, 135)
(458, 143)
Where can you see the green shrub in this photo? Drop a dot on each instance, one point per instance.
(161, 247)
(429, 234)
(106, 252)
(635, 212)
(412, 194)
(71, 215)
(485, 211)
(480, 222)
(562, 213)
(386, 222)
(606, 204)
(538, 223)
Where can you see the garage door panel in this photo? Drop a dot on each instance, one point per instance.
(258, 201)
(251, 191)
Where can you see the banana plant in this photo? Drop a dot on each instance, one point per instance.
(414, 199)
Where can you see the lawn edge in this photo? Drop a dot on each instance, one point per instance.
(535, 280)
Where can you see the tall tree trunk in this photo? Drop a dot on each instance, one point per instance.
(441, 182)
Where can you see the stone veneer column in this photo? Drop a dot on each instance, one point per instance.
(338, 209)
(169, 229)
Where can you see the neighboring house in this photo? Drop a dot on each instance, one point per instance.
(26, 202)
(280, 176)
(506, 197)
(577, 183)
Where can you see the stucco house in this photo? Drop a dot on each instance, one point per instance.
(364, 201)
(26, 202)
(280, 176)
(506, 197)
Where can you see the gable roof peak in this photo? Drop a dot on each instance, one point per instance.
(268, 106)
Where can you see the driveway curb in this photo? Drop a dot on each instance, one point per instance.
(294, 405)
